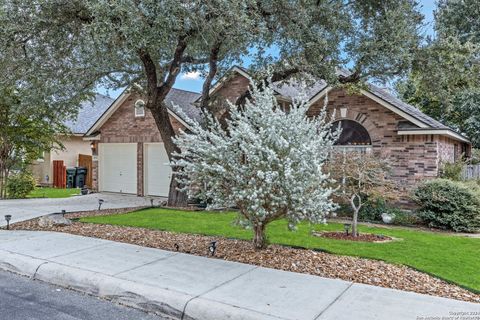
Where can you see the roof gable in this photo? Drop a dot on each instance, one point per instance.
(181, 98)
(88, 114)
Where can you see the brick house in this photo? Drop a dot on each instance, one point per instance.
(130, 158)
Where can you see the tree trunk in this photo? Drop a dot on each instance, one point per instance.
(259, 237)
(355, 223)
(176, 198)
(356, 209)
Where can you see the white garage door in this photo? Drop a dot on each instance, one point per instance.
(157, 171)
(117, 165)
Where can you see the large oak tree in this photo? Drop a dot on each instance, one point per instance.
(73, 46)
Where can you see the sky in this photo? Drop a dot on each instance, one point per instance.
(193, 81)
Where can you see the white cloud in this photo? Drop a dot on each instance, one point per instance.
(194, 75)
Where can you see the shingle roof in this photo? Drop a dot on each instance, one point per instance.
(89, 112)
(184, 99)
(407, 108)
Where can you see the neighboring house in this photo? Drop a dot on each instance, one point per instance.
(74, 144)
(132, 159)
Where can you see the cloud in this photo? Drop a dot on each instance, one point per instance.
(194, 75)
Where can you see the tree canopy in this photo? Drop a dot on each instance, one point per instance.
(445, 78)
(66, 48)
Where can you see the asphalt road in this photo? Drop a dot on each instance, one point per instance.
(25, 299)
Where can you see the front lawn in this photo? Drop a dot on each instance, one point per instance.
(453, 258)
(44, 192)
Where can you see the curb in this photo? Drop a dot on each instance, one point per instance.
(168, 303)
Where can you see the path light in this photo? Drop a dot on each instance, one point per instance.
(212, 247)
(8, 217)
(100, 202)
(151, 202)
(63, 213)
(177, 247)
(346, 226)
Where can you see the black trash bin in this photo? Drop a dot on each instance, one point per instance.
(71, 173)
(80, 177)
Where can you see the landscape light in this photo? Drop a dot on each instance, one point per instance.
(346, 226)
(177, 247)
(100, 202)
(151, 202)
(63, 213)
(8, 217)
(212, 247)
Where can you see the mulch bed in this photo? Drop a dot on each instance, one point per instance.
(317, 263)
(364, 237)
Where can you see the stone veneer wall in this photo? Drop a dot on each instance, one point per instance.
(124, 127)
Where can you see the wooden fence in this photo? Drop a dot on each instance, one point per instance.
(471, 171)
(59, 174)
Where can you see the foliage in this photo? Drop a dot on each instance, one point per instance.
(448, 204)
(361, 176)
(74, 46)
(45, 192)
(20, 185)
(268, 162)
(24, 135)
(405, 218)
(445, 78)
(432, 252)
(452, 170)
(475, 158)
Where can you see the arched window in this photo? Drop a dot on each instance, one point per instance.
(353, 135)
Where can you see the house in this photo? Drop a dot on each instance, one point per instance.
(131, 157)
(74, 144)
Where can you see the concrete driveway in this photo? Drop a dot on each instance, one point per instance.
(26, 209)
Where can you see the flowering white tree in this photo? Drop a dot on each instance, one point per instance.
(268, 162)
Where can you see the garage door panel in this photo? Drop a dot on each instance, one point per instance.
(157, 170)
(118, 167)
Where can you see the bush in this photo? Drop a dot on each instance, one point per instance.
(449, 204)
(452, 170)
(20, 185)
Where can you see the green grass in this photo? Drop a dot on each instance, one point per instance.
(453, 258)
(44, 192)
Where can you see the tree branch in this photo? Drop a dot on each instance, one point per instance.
(213, 64)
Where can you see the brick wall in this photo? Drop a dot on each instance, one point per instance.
(124, 127)
(413, 157)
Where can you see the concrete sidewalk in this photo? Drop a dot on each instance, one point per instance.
(190, 287)
(26, 209)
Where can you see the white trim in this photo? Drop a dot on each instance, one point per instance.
(173, 114)
(107, 114)
(222, 80)
(448, 133)
(92, 138)
(395, 109)
(319, 95)
(111, 110)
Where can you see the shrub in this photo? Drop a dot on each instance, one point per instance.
(20, 185)
(452, 170)
(405, 218)
(449, 204)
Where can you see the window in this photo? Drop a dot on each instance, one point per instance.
(139, 108)
(354, 136)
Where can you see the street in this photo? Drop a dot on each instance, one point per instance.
(25, 299)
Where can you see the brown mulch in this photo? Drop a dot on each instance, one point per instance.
(365, 237)
(372, 272)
